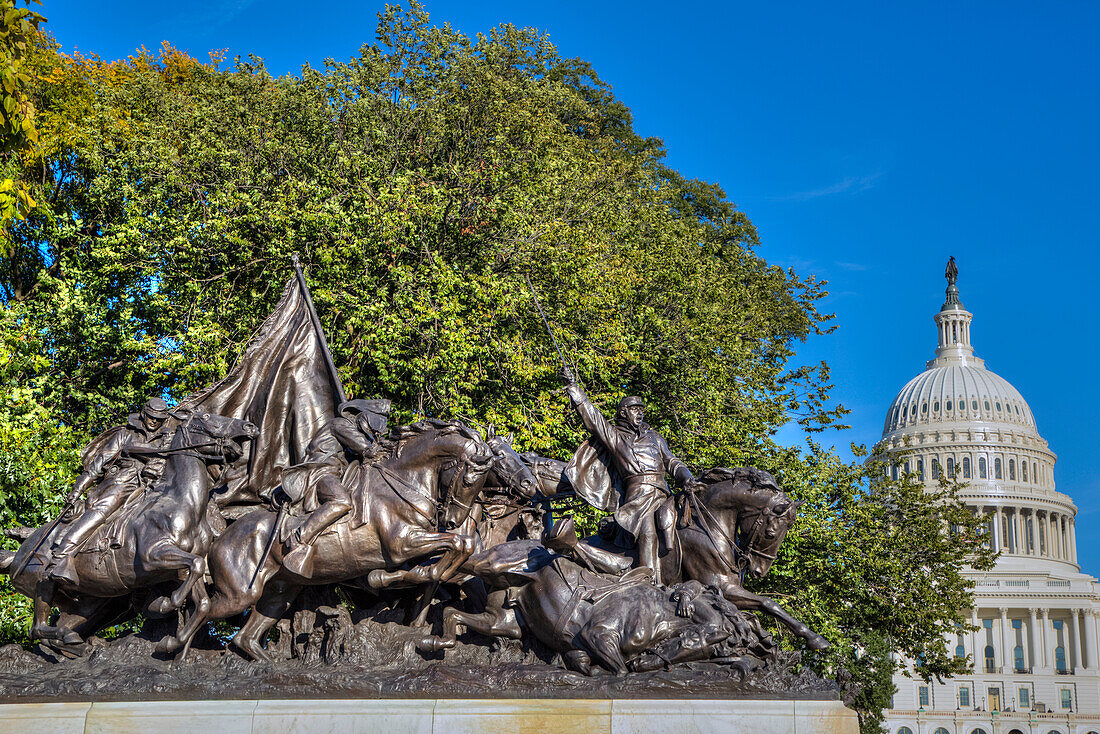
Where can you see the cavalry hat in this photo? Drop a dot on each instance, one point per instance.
(375, 411)
(155, 408)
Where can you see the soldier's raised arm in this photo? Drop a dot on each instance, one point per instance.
(592, 418)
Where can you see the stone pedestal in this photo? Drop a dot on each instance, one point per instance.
(432, 716)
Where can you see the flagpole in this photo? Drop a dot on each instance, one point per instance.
(341, 397)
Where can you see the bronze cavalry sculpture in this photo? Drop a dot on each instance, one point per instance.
(271, 482)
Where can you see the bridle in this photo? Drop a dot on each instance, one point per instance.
(220, 443)
(742, 552)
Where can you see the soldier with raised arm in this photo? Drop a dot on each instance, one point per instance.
(641, 458)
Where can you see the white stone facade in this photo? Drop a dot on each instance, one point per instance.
(1036, 665)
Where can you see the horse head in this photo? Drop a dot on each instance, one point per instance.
(765, 516)
(212, 437)
(508, 469)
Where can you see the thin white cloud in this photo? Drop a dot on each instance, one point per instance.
(216, 15)
(858, 267)
(848, 185)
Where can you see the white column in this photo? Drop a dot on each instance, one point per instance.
(974, 638)
(1042, 534)
(1073, 539)
(1063, 529)
(1055, 538)
(1006, 649)
(1075, 646)
(1090, 638)
(997, 544)
(1043, 637)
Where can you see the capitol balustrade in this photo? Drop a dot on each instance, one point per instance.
(1027, 584)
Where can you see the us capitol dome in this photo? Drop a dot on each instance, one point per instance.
(1034, 651)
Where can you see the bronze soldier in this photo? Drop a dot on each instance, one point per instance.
(111, 475)
(317, 484)
(641, 458)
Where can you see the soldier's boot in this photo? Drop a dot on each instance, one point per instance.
(647, 553)
(665, 520)
(60, 567)
(298, 558)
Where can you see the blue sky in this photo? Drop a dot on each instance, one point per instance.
(867, 142)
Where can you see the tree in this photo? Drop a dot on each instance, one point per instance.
(421, 182)
(18, 136)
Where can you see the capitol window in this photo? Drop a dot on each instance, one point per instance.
(948, 406)
(935, 468)
(1025, 697)
(950, 468)
(936, 406)
(1012, 470)
(941, 730)
(1023, 470)
(1067, 699)
(973, 404)
(978, 730)
(920, 469)
(964, 696)
(997, 474)
(966, 467)
(987, 405)
(924, 696)
(981, 467)
(905, 730)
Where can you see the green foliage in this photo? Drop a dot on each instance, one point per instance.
(18, 135)
(420, 182)
(37, 455)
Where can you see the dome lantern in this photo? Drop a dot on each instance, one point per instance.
(953, 325)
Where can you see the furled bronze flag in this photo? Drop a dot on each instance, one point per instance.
(282, 385)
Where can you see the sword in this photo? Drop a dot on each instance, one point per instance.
(270, 541)
(545, 322)
(49, 530)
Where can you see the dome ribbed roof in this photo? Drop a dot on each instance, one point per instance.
(958, 393)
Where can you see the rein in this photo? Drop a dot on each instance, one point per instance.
(740, 555)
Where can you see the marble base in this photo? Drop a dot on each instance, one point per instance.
(431, 716)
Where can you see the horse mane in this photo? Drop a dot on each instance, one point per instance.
(398, 434)
(757, 479)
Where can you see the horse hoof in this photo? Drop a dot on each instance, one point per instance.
(817, 642)
(434, 643)
(167, 646)
(72, 638)
(161, 606)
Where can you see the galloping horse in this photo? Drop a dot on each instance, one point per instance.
(733, 525)
(398, 504)
(165, 532)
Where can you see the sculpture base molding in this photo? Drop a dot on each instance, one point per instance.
(425, 716)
